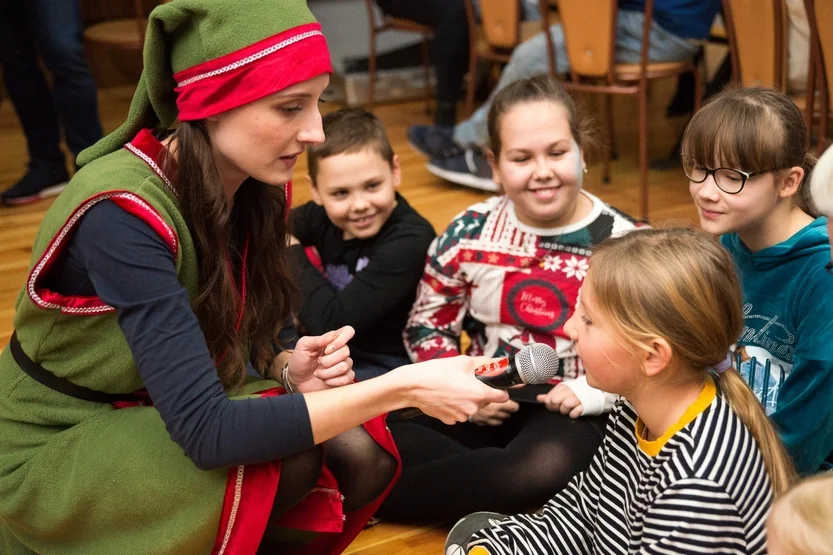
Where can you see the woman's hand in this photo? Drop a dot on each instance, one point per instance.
(494, 414)
(322, 361)
(562, 399)
(446, 388)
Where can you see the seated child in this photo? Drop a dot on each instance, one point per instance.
(745, 154)
(801, 522)
(690, 463)
(507, 271)
(366, 242)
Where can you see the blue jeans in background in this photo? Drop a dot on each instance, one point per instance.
(530, 59)
(51, 29)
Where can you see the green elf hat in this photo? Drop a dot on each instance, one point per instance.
(203, 57)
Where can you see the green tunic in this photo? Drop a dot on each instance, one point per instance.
(79, 477)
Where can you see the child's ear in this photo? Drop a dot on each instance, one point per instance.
(493, 163)
(658, 359)
(313, 190)
(792, 181)
(396, 169)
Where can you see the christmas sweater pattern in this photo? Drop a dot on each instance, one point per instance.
(504, 283)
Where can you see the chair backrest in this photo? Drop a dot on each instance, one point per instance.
(822, 13)
(501, 23)
(757, 30)
(590, 36)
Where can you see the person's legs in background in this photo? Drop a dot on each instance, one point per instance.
(450, 53)
(462, 159)
(55, 27)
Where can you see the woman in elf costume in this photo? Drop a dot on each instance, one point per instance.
(132, 419)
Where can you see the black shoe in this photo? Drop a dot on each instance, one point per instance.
(433, 141)
(469, 168)
(41, 181)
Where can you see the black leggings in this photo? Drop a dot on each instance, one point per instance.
(451, 471)
(362, 468)
(451, 40)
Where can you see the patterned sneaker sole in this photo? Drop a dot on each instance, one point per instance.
(466, 527)
(465, 179)
(53, 191)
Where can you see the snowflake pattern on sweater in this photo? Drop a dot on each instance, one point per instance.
(504, 283)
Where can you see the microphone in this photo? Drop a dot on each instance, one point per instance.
(534, 364)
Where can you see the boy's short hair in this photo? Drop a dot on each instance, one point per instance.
(349, 130)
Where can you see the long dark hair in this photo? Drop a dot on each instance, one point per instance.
(220, 235)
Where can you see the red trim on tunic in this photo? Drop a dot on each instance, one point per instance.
(155, 155)
(83, 305)
(253, 72)
(245, 513)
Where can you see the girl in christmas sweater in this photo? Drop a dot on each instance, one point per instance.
(507, 272)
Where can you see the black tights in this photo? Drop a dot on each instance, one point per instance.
(451, 471)
(362, 468)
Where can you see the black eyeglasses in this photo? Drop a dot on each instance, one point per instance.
(728, 180)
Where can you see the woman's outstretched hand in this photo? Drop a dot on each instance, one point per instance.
(322, 361)
(446, 388)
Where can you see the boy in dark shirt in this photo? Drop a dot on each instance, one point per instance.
(361, 247)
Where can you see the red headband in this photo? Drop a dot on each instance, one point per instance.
(253, 72)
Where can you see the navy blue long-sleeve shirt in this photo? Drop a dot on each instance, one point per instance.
(119, 258)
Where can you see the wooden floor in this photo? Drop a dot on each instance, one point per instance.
(436, 200)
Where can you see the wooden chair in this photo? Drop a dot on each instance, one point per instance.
(495, 38)
(820, 18)
(396, 24)
(590, 37)
(757, 30)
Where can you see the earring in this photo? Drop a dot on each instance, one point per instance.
(585, 170)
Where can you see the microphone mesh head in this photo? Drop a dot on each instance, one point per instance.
(537, 363)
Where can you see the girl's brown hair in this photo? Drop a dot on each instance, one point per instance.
(535, 89)
(693, 300)
(220, 234)
(751, 129)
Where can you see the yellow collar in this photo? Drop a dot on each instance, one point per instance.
(652, 448)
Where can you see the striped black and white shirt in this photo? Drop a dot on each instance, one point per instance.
(701, 488)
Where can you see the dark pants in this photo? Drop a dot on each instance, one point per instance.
(451, 471)
(52, 29)
(451, 39)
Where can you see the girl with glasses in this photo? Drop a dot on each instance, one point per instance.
(745, 155)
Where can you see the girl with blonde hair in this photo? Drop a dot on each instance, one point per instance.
(690, 462)
(801, 522)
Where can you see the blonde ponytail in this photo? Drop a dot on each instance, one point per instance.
(693, 301)
(746, 405)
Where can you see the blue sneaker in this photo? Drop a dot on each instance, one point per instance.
(433, 141)
(469, 168)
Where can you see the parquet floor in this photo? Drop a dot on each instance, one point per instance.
(436, 200)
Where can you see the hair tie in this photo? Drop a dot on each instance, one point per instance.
(723, 365)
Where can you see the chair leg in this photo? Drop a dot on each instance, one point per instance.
(609, 147)
(426, 66)
(371, 69)
(698, 88)
(643, 151)
(614, 149)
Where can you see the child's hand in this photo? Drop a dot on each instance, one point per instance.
(562, 399)
(494, 414)
(321, 362)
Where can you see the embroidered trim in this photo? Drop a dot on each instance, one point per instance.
(238, 492)
(56, 243)
(249, 59)
(150, 162)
